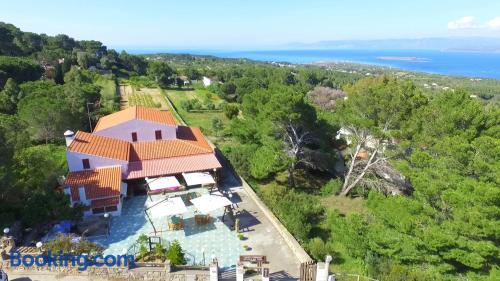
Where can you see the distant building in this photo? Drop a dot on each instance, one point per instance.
(207, 81)
(185, 80)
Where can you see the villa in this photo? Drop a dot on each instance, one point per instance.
(127, 149)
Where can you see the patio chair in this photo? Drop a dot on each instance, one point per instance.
(176, 223)
(202, 219)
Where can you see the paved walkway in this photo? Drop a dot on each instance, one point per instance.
(261, 236)
(199, 242)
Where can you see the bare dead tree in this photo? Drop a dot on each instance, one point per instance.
(295, 139)
(326, 97)
(358, 168)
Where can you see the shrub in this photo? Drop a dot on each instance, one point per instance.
(175, 254)
(142, 240)
(231, 110)
(196, 104)
(186, 105)
(298, 211)
(159, 251)
(239, 157)
(334, 186)
(63, 243)
(217, 125)
(210, 105)
(318, 249)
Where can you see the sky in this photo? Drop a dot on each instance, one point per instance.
(251, 24)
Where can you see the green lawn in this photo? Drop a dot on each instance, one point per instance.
(344, 205)
(202, 120)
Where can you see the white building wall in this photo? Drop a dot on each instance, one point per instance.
(145, 131)
(75, 162)
(123, 190)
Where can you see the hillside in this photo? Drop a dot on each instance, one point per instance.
(396, 180)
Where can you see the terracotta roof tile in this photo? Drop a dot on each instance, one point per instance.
(135, 112)
(98, 183)
(172, 166)
(165, 149)
(190, 141)
(194, 135)
(101, 146)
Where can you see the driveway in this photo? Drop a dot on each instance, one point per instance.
(260, 234)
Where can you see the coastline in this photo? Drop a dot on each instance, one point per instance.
(455, 64)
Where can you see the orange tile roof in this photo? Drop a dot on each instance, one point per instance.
(135, 112)
(99, 183)
(190, 141)
(165, 149)
(172, 166)
(101, 146)
(193, 135)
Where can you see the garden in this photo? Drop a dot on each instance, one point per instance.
(201, 108)
(142, 99)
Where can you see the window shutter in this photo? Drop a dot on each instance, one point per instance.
(158, 135)
(86, 163)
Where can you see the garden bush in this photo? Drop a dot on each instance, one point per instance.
(334, 186)
(175, 254)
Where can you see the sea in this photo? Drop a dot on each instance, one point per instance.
(453, 63)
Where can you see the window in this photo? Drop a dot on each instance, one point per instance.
(158, 135)
(86, 163)
(134, 136)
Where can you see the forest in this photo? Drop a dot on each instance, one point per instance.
(425, 165)
(393, 180)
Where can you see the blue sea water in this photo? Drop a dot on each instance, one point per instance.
(469, 64)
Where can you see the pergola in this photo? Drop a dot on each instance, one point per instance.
(199, 178)
(208, 203)
(169, 206)
(162, 183)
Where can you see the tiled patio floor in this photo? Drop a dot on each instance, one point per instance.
(198, 242)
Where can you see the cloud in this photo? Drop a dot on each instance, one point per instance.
(467, 22)
(494, 23)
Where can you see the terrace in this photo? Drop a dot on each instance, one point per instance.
(199, 242)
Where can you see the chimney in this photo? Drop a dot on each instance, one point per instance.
(81, 192)
(69, 136)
